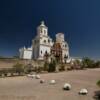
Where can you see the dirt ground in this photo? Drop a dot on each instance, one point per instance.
(24, 88)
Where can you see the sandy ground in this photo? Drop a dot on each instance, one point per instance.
(24, 88)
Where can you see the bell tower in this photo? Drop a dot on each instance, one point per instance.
(60, 37)
(42, 30)
(42, 42)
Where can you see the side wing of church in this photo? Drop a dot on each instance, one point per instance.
(43, 44)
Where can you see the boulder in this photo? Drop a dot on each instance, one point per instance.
(67, 86)
(83, 91)
(52, 82)
(31, 75)
(37, 76)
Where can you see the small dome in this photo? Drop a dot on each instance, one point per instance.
(42, 23)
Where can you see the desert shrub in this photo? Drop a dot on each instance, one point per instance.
(62, 67)
(87, 63)
(39, 69)
(97, 93)
(52, 66)
(4, 72)
(98, 83)
(45, 68)
(97, 64)
(19, 68)
(28, 68)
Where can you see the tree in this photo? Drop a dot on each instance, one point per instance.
(97, 64)
(87, 63)
(77, 64)
(52, 66)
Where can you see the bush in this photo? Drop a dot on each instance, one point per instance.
(52, 66)
(62, 67)
(98, 83)
(46, 66)
(87, 63)
(4, 72)
(19, 68)
(97, 64)
(28, 68)
(39, 69)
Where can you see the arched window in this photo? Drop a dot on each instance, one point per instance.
(44, 41)
(35, 41)
(65, 56)
(41, 31)
(48, 41)
(46, 52)
(41, 51)
(65, 45)
(44, 31)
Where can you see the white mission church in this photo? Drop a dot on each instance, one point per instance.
(43, 44)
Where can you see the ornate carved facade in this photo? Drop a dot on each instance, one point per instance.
(56, 51)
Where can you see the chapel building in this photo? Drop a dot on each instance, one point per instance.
(43, 45)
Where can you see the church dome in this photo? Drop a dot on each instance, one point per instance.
(42, 24)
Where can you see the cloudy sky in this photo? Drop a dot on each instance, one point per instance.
(79, 20)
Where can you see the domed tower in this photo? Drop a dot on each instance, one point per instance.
(42, 42)
(64, 45)
(42, 30)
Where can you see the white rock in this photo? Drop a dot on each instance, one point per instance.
(31, 75)
(52, 82)
(83, 91)
(67, 86)
(37, 76)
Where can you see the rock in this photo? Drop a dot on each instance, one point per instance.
(42, 81)
(37, 76)
(83, 91)
(31, 75)
(52, 82)
(67, 86)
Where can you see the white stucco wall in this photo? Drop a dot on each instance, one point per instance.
(44, 48)
(27, 54)
(50, 43)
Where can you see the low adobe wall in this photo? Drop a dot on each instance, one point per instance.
(10, 62)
